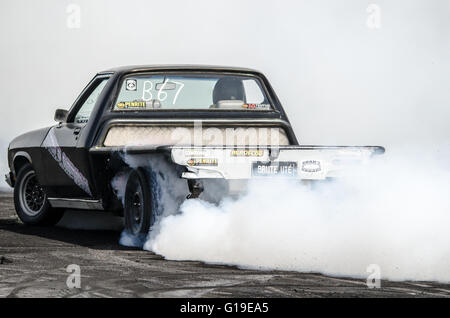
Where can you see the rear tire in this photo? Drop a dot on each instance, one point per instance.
(30, 200)
(138, 210)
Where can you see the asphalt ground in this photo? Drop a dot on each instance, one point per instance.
(34, 260)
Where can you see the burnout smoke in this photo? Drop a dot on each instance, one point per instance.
(171, 191)
(393, 212)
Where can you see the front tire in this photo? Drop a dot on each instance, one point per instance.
(30, 200)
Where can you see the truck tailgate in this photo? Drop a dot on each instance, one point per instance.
(301, 162)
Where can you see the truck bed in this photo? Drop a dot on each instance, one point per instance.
(309, 162)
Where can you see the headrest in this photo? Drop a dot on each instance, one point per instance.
(228, 88)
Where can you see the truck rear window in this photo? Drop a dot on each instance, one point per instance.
(191, 92)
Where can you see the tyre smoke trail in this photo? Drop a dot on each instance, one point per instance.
(394, 213)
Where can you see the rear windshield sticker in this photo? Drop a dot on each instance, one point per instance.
(131, 85)
(135, 104)
(153, 103)
(256, 106)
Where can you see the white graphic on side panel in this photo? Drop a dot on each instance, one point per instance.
(51, 144)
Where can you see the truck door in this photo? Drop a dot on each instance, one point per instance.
(66, 164)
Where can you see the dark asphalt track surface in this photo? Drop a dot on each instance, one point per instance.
(33, 262)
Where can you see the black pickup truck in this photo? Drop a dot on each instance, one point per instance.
(206, 122)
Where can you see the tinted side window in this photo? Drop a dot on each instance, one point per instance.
(82, 117)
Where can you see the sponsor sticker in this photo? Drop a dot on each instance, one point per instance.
(247, 153)
(194, 153)
(202, 162)
(256, 106)
(270, 169)
(135, 104)
(131, 85)
(311, 166)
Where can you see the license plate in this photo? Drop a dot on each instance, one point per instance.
(279, 168)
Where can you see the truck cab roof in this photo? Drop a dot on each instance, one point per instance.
(179, 67)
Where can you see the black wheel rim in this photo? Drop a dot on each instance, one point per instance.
(32, 196)
(136, 214)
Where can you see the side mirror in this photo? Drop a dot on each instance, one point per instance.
(61, 115)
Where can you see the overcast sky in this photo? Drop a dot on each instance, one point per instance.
(347, 72)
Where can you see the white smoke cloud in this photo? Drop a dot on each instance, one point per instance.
(393, 213)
